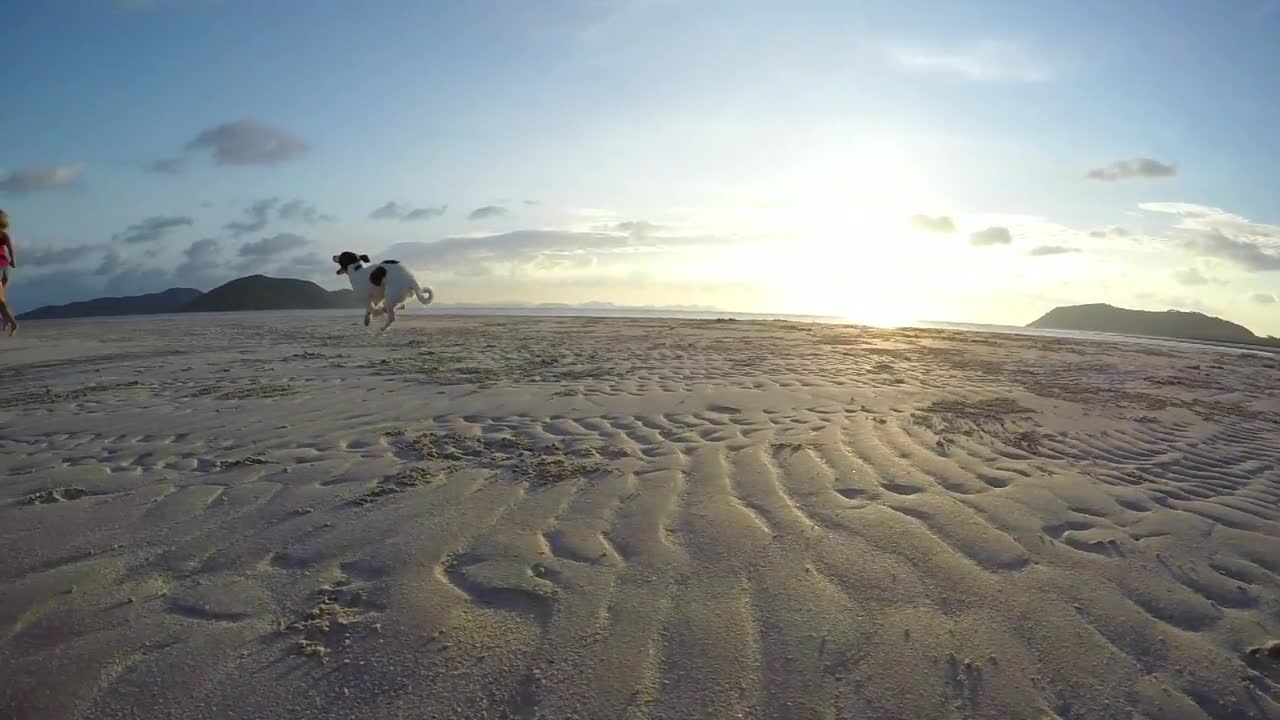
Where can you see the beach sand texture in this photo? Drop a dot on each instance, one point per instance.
(270, 517)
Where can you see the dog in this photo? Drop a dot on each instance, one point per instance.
(385, 286)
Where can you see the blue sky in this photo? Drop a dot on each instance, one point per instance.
(748, 155)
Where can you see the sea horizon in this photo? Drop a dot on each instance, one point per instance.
(571, 311)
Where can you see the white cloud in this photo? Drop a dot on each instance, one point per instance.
(1246, 254)
(203, 266)
(1130, 169)
(246, 142)
(258, 214)
(168, 166)
(393, 210)
(1176, 302)
(1215, 233)
(1183, 209)
(424, 213)
(1205, 218)
(1194, 278)
(133, 5)
(486, 212)
(30, 179)
(151, 229)
(541, 249)
(111, 263)
(48, 257)
(939, 224)
(989, 61)
(1111, 231)
(1047, 250)
(638, 228)
(991, 236)
(298, 211)
(272, 246)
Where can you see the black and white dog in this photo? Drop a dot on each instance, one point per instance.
(384, 286)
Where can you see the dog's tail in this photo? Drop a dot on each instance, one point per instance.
(425, 296)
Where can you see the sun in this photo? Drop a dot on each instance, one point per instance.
(836, 241)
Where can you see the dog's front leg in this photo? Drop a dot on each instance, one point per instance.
(391, 317)
(368, 312)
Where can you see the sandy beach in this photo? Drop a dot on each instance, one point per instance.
(270, 517)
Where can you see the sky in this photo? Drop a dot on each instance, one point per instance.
(880, 161)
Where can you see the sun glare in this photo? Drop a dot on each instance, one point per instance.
(845, 253)
(828, 235)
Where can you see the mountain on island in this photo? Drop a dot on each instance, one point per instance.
(169, 301)
(256, 292)
(1179, 324)
(259, 292)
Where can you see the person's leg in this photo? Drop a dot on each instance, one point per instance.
(10, 323)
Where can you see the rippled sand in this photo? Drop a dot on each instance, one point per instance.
(610, 518)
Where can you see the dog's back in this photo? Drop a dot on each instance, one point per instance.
(401, 284)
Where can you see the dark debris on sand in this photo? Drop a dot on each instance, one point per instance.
(1268, 650)
(998, 417)
(413, 477)
(979, 409)
(55, 495)
(539, 465)
(237, 462)
(50, 395)
(341, 613)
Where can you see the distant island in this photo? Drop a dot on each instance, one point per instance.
(255, 292)
(259, 292)
(169, 301)
(1177, 324)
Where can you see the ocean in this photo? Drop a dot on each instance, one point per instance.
(626, 312)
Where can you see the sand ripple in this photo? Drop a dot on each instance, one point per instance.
(542, 518)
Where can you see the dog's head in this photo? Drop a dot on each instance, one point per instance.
(348, 260)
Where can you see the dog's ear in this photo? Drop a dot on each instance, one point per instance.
(365, 258)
